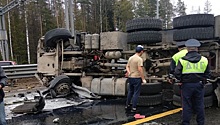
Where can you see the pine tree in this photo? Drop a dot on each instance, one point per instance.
(208, 7)
(145, 8)
(123, 13)
(166, 13)
(108, 15)
(152, 8)
(199, 10)
(180, 8)
(142, 8)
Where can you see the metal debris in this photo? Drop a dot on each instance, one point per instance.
(56, 120)
(31, 106)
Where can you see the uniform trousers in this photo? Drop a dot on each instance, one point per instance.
(193, 100)
(2, 114)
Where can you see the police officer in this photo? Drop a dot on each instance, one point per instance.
(175, 58)
(191, 70)
(3, 79)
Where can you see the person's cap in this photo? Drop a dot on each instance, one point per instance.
(139, 48)
(192, 43)
(180, 44)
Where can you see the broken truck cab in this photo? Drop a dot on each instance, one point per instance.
(97, 61)
(88, 62)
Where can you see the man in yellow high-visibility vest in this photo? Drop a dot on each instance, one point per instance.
(175, 58)
(192, 70)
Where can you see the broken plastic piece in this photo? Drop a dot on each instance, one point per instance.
(56, 120)
(138, 116)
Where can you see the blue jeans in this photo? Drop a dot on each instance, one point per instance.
(134, 91)
(193, 100)
(2, 114)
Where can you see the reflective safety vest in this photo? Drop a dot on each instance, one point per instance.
(179, 55)
(189, 67)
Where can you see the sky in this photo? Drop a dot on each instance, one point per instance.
(193, 5)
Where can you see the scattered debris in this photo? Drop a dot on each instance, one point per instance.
(84, 92)
(31, 106)
(20, 95)
(153, 123)
(56, 120)
(138, 116)
(61, 86)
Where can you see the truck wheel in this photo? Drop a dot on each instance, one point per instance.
(208, 89)
(194, 20)
(62, 88)
(53, 36)
(200, 33)
(141, 24)
(144, 37)
(59, 86)
(151, 88)
(208, 101)
(149, 100)
(176, 89)
(177, 100)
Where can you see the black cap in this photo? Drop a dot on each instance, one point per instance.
(139, 48)
(180, 44)
(192, 43)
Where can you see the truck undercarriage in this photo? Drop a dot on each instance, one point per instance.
(97, 61)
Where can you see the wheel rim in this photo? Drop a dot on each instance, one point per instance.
(62, 89)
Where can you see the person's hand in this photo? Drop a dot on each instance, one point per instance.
(144, 81)
(179, 83)
(170, 80)
(126, 74)
(0, 86)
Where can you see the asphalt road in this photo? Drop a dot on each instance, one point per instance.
(104, 112)
(108, 112)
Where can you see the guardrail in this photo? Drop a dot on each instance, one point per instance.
(20, 71)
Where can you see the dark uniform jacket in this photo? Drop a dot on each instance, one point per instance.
(192, 57)
(3, 79)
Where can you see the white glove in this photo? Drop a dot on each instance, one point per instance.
(144, 81)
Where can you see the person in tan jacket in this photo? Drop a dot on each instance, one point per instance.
(135, 74)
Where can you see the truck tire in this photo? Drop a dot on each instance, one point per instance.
(144, 37)
(208, 101)
(59, 86)
(194, 20)
(200, 33)
(208, 89)
(149, 100)
(53, 36)
(176, 89)
(151, 88)
(177, 100)
(141, 24)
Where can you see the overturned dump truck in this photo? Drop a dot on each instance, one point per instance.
(97, 61)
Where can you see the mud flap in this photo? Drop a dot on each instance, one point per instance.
(84, 92)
